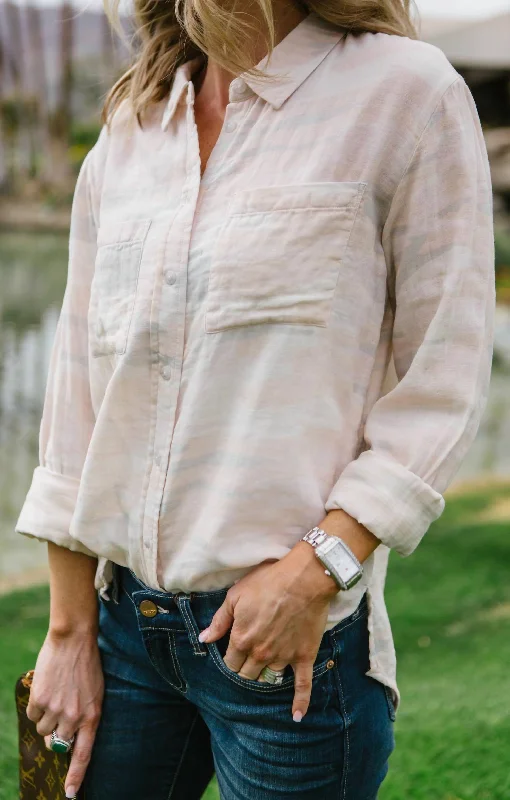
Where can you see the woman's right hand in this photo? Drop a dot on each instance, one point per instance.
(67, 694)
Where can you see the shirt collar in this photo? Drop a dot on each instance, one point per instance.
(293, 59)
(181, 79)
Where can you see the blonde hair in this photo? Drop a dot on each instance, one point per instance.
(170, 32)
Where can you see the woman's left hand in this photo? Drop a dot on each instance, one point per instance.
(277, 613)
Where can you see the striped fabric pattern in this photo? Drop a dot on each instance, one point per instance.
(216, 381)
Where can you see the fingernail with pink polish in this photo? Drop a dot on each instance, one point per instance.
(297, 716)
(71, 792)
(202, 636)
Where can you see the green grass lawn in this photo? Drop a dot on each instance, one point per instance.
(450, 609)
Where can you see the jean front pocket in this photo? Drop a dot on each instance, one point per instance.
(324, 661)
(114, 285)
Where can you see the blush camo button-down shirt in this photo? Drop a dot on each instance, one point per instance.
(216, 382)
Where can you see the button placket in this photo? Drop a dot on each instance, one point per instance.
(169, 330)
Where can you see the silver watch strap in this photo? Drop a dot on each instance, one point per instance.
(315, 536)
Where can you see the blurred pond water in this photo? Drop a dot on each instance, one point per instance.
(32, 279)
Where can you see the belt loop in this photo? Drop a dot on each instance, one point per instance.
(191, 625)
(115, 582)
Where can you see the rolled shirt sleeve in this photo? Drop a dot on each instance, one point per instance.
(67, 418)
(438, 242)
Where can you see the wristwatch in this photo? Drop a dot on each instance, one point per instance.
(338, 559)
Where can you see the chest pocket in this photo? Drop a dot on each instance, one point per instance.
(279, 253)
(114, 285)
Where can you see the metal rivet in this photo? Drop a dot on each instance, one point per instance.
(330, 664)
(148, 608)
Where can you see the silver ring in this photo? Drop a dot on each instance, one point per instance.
(274, 676)
(59, 745)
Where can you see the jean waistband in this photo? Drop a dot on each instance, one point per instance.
(124, 578)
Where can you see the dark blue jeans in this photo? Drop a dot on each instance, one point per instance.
(174, 714)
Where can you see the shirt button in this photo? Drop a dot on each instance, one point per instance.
(170, 277)
(166, 372)
(148, 608)
(230, 126)
(237, 89)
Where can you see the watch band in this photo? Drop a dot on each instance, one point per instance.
(315, 536)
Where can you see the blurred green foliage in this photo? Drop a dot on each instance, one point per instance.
(83, 138)
(502, 242)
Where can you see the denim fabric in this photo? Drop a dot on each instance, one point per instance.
(173, 712)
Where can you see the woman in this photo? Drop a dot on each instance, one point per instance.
(245, 253)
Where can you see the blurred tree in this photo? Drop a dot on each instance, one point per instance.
(41, 145)
(3, 165)
(19, 151)
(61, 118)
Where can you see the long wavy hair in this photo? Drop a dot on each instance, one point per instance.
(170, 32)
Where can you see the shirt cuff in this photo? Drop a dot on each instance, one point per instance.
(394, 504)
(48, 509)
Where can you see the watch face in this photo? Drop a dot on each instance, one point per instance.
(338, 561)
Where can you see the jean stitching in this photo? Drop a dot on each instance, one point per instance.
(198, 648)
(130, 597)
(349, 625)
(177, 668)
(184, 749)
(346, 718)
(264, 688)
(162, 629)
(151, 627)
(152, 659)
(355, 617)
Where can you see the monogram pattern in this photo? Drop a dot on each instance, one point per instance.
(42, 773)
